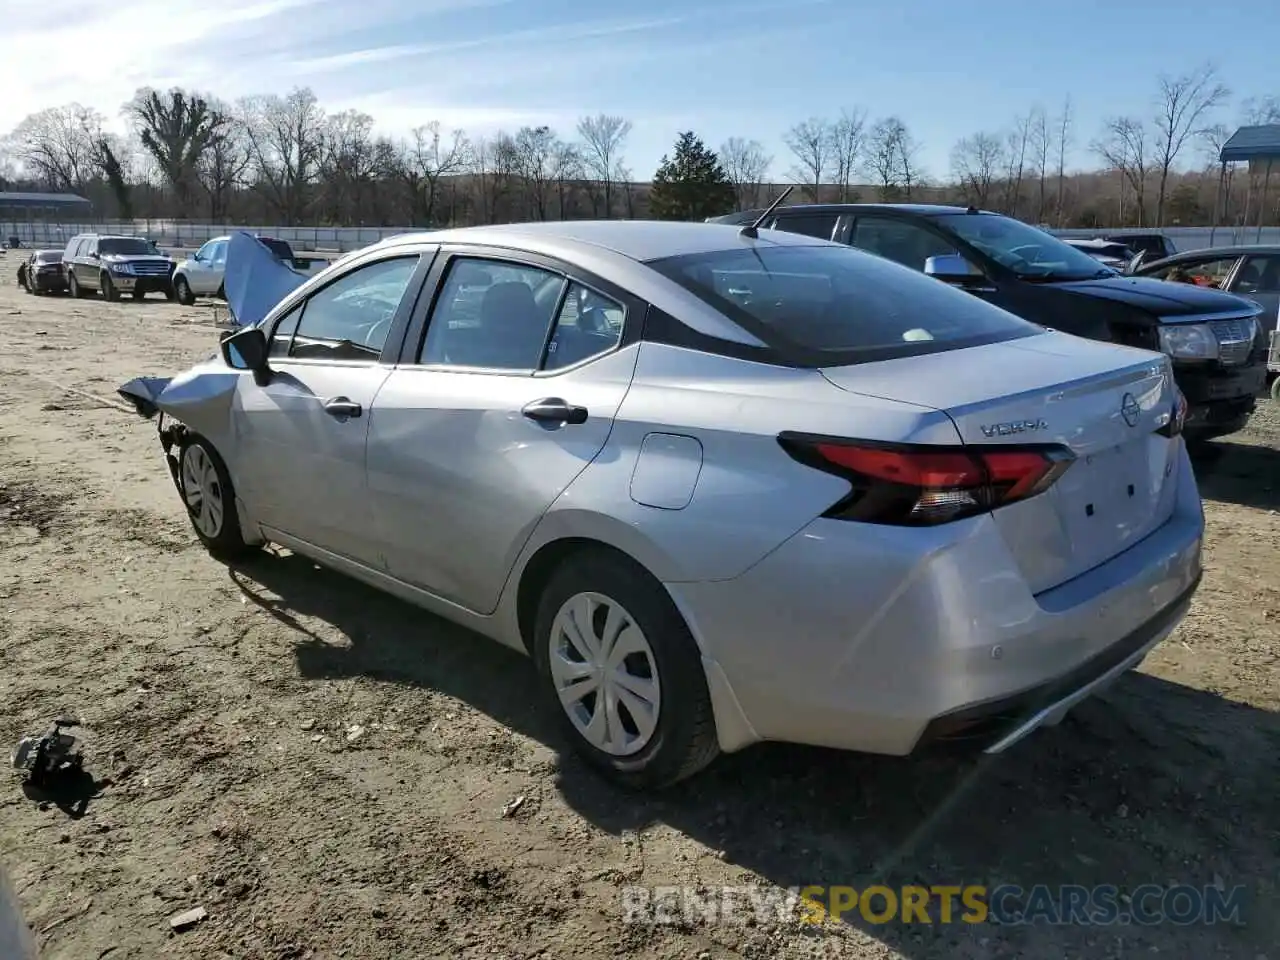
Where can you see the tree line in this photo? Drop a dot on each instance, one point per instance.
(283, 159)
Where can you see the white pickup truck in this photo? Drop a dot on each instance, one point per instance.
(202, 274)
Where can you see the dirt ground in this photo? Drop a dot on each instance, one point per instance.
(325, 770)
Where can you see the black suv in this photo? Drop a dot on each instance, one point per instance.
(1214, 339)
(116, 265)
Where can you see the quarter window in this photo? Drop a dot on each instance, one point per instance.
(492, 314)
(351, 317)
(286, 327)
(819, 225)
(588, 325)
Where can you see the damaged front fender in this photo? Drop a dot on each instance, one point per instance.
(201, 397)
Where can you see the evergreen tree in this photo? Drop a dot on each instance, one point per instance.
(692, 185)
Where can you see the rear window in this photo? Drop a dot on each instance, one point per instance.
(49, 256)
(126, 246)
(281, 249)
(829, 305)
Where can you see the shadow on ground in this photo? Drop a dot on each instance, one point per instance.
(1240, 473)
(1152, 782)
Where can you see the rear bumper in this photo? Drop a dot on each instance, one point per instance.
(864, 638)
(48, 281)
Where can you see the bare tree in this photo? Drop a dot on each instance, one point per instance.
(891, 158)
(603, 138)
(1063, 141)
(224, 164)
(974, 162)
(811, 143)
(1185, 103)
(535, 159)
(59, 145)
(176, 129)
(1018, 140)
(428, 157)
(746, 165)
(1041, 143)
(566, 169)
(286, 138)
(1125, 146)
(1257, 111)
(847, 135)
(347, 166)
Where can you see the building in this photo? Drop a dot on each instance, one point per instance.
(19, 212)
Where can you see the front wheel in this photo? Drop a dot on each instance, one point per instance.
(73, 287)
(109, 290)
(623, 672)
(182, 290)
(209, 498)
(1275, 389)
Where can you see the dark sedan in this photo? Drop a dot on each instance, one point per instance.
(42, 272)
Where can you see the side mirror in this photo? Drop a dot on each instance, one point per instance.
(95, 255)
(952, 268)
(247, 350)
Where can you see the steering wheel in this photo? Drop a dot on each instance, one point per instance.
(1015, 252)
(378, 332)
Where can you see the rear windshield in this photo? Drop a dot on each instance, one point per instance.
(49, 256)
(281, 249)
(126, 246)
(830, 305)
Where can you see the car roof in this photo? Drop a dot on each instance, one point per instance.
(639, 240)
(915, 209)
(1235, 250)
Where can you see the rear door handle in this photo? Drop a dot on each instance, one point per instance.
(342, 408)
(554, 410)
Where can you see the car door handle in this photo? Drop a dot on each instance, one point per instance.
(342, 408)
(554, 410)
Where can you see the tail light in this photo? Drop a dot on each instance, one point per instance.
(1179, 417)
(910, 485)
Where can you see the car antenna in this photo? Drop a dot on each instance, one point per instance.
(753, 230)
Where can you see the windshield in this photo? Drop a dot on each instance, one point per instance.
(1029, 252)
(281, 249)
(838, 305)
(49, 256)
(126, 246)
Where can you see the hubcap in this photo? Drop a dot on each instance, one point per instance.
(202, 491)
(605, 674)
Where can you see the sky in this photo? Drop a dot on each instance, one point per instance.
(748, 68)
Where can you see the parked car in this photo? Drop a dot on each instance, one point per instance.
(204, 272)
(115, 265)
(42, 272)
(722, 488)
(1214, 338)
(1114, 255)
(1252, 272)
(1151, 245)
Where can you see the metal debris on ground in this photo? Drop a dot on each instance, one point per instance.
(48, 757)
(510, 809)
(188, 918)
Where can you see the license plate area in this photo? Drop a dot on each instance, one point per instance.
(1111, 494)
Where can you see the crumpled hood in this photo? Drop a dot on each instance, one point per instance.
(255, 281)
(1160, 297)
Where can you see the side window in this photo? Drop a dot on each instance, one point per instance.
(588, 325)
(351, 317)
(492, 314)
(286, 327)
(72, 251)
(205, 253)
(898, 240)
(1259, 275)
(820, 225)
(218, 255)
(1203, 273)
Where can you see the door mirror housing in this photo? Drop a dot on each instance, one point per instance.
(247, 350)
(952, 268)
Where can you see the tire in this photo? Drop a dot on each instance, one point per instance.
(683, 739)
(138, 293)
(222, 291)
(73, 286)
(182, 291)
(1275, 389)
(108, 287)
(206, 486)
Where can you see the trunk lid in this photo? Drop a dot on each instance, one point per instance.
(1103, 402)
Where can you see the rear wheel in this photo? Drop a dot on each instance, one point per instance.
(210, 498)
(24, 283)
(182, 290)
(73, 286)
(109, 289)
(623, 672)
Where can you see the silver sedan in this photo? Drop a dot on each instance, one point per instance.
(722, 487)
